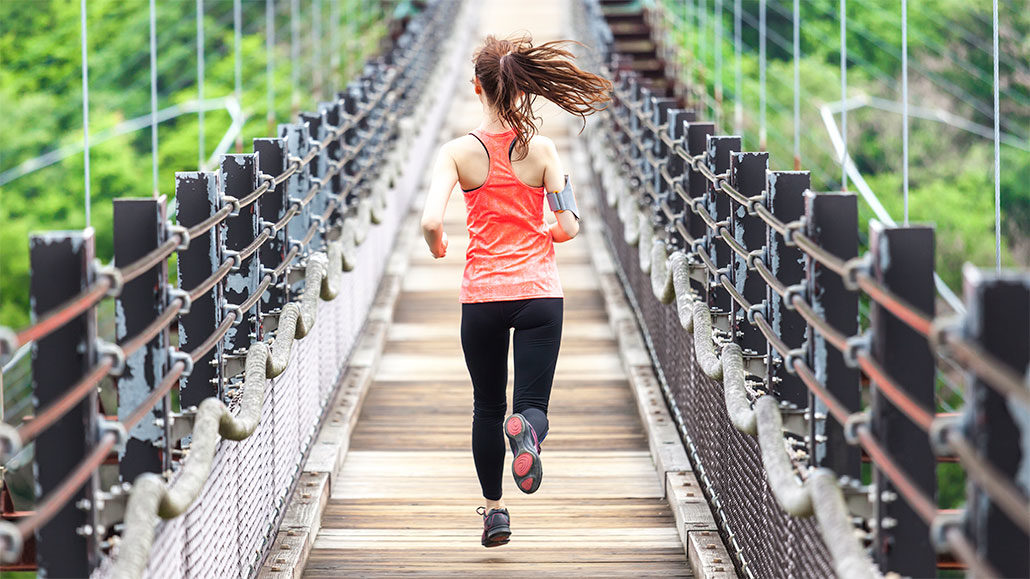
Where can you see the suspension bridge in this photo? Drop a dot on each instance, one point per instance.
(743, 390)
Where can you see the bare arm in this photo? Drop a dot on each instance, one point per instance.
(567, 225)
(445, 176)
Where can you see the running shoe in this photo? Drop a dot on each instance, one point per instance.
(526, 466)
(496, 527)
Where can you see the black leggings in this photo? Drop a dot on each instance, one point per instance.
(484, 339)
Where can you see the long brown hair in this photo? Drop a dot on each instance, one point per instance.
(513, 73)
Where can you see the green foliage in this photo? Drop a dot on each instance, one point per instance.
(41, 95)
(950, 68)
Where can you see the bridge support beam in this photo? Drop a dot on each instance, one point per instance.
(718, 151)
(196, 199)
(832, 223)
(903, 261)
(999, 321)
(139, 227)
(61, 268)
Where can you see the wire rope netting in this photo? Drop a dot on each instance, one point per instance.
(767, 541)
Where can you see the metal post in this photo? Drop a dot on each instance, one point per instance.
(678, 121)
(999, 322)
(139, 227)
(903, 263)
(296, 139)
(274, 204)
(197, 198)
(786, 201)
(717, 156)
(697, 185)
(60, 263)
(239, 178)
(659, 116)
(832, 222)
(335, 117)
(317, 168)
(747, 174)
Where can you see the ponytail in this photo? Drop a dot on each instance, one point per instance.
(513, 73)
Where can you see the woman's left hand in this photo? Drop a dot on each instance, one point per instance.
(441, 249)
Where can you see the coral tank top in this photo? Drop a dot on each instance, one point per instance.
(510, 253)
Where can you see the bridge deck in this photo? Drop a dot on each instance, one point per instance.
(404, 501)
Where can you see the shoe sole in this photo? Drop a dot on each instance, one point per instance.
(525, 467)
(499, 537)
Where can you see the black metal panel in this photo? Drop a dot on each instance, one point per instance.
(697, 185)
(903, 260)
(239, 178)
(139, 227)
(832, 222)
(786, 201)
(60, 265)
(196, 199)
(747, 173)
(317, 169)
(678, 120)
(718, 150)
(274, 204)
(999, 321)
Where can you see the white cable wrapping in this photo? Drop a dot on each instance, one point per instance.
(645, 239)
(738, 407)
(819, 495)
(679, 268)
(661, 273)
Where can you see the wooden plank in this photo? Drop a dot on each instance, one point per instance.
(709, 557)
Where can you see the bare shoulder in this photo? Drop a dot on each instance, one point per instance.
(542, 147)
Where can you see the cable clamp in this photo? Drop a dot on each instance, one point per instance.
(855, 266)
(232, 202)
(184, 236)
(175, 355)
(754, 257)
(112, 273)
(315, 181)
(942, 328)
(10, 442)
(797, 290)
(790, 229)
(267, 227)
(795, 355)
(852, 424)
(940, 428)
(113, 427)
(235, 257)
(183, 296)
(756, 308)
(756, 200)
(10, 542)
(698, 246)
(943, 524)
(105, 348)
(228, 308)
(856, 346)
(294, 161)
(291, 243)
(270, 272)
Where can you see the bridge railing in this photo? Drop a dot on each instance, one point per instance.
(262, 248)
(765, 279)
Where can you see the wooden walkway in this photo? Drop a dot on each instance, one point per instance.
(404, 501)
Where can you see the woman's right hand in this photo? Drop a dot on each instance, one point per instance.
(441, 249)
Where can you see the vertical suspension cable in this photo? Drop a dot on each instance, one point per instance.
(684, 33)
(294, 55)
(702, 7)
(334, 50)
(270, 62)
(738, 87)
(904, 105)
(85, 107)
(843, 95)
(718, 63)
(237, 40)
(997, 148)
(200, 84)
(153, 93)
(316, 48)
(797, 85)
(761, 74)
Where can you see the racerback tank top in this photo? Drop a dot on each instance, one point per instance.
(510, 253)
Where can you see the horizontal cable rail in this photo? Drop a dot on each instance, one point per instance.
(346, 196)
(682, 232)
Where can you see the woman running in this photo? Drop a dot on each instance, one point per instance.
(511, 280)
